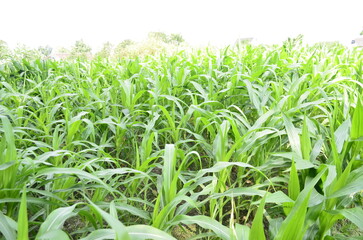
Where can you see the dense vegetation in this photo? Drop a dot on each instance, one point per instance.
(155, 43)
(243, 143)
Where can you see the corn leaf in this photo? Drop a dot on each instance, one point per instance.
(257, 228)
(206, 223)
(55, 220)
(23, 218)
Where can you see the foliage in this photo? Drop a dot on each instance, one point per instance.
(251, 142)
(126, 43)
(159, 36)
(106, 51)
(80, 50)
(22, 51)
(149, 47)
(46, 51)
(176, 38)
(243, 41)
(291, 43)
(4, 49)
(173, 38)
(156, 43)
(123, 48)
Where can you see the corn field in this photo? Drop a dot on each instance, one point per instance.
(252, 142)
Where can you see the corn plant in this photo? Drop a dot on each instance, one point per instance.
(245, 142)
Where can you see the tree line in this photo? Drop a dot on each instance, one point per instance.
(154, 43)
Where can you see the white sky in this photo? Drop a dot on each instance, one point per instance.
(62, 22)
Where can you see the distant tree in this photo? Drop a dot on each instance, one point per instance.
(3, 45)
(126, 43)
(106, 50)
(45, 50)
(244, 41)
(80, 50)
(22, 51)
(176, 38)
(361, 33)
(155, 43)
(63, 50)
(4, 49)
(122, 48)
(62, 53)
(159, 36)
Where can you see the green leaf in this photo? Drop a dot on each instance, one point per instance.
(8, 154)
(54, 235)
(55, 220)
(355, 215)
(274, 226)
(100, 234)
(159, 218)
(79, 173)
(113, 211)
(349, 188)
(23, 218)
(300, 163)
(116, 225)
(293, 135)
(242, 232)
(128, 208)
(6, 228)
(220, 143)
(219, 166)
(326, 219)
(7, 165)
(235, 192)
(278, 197)
(9, 137)
(305, 141)
(294, 184)
(257, 228)
(140, 232)
(293, 188)
(341, 135)
(168, 172)
(356, 130)
(293, 226)
(206, 223)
